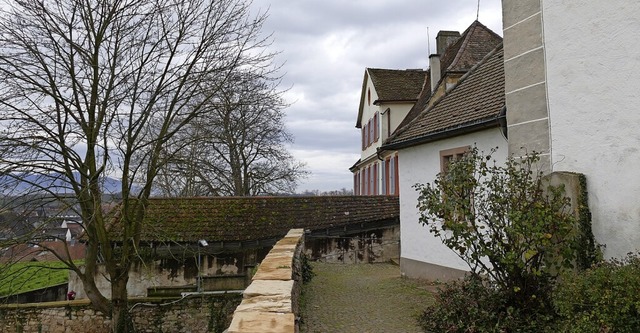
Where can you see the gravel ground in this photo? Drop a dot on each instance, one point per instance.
(362, 298)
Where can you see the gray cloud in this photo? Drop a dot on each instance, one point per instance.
(325, 47)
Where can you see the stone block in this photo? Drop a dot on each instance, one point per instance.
(262, 322)
(266, 304)
(529, 137)
(524, 71)
(269, 288)
(523, 37)
(527, 104)
(514, 11)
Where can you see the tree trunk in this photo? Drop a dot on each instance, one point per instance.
(98, 301)
(121, 321)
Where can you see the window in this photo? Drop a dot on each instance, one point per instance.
(464, 193)
(369, 96)
(356, 183)
(450, 155)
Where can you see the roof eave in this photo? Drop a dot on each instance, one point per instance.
(403, 101)
(451, 132)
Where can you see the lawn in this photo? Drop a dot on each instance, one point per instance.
(27, 276)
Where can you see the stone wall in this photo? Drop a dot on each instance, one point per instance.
(175, 272)
(374, 246)
(203, 313)
(270, 303)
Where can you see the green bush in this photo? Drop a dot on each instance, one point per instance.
(472, 306)
(505, 222)
(604, 298)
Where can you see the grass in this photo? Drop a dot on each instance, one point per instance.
(23, 277)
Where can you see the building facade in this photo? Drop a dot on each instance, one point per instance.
(572, 94)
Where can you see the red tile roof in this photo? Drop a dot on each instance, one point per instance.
(253, 218)
(392, 85)
(476, 100)
(472, 46)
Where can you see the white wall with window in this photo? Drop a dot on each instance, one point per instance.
(420, 165)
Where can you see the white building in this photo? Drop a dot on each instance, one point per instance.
(572, 92)
(386, 98)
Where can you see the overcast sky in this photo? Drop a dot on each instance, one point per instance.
(325, 46)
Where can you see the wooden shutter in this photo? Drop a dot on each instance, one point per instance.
(376, 127)
(383, 175)
(392, 175)
(375, 178)
(397, 176)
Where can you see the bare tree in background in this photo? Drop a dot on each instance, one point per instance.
(96, 88)
(237, 147)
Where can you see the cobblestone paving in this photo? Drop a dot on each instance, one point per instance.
(363, 298)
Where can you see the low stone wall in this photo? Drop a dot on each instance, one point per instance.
(270, 303)
(202, 313)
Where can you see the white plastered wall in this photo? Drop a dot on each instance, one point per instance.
(421, 164)
(593, 80)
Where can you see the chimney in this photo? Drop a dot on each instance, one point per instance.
(434, 70)
(444, 39)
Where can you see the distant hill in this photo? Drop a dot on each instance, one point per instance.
(55, 182)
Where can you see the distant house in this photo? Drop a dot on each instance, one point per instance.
(240, 231)
(572, 80)
(387, 96)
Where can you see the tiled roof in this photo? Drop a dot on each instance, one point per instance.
(477, 98)
(397, 85)
(420, 105)
(224, 219)
(471, 47)
(392, 85)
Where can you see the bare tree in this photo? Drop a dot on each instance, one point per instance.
(238, 147)
(96, 88)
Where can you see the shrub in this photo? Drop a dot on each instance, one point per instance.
(505, 222)
(604, 298)
(472, 306)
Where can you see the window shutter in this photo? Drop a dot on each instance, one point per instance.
(376, 129)
(375, 179)
(383, 173)
(371, 131)
(392, 176)
(397, 176)
(366, 136)
(362, 134)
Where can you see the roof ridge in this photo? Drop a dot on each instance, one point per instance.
(443, 97)
(465, 42)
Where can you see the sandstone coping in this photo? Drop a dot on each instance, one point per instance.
(268, 303)
(262, 322)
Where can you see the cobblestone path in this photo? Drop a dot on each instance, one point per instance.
(363, 298)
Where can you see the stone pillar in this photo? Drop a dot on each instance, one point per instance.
(525, 80)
